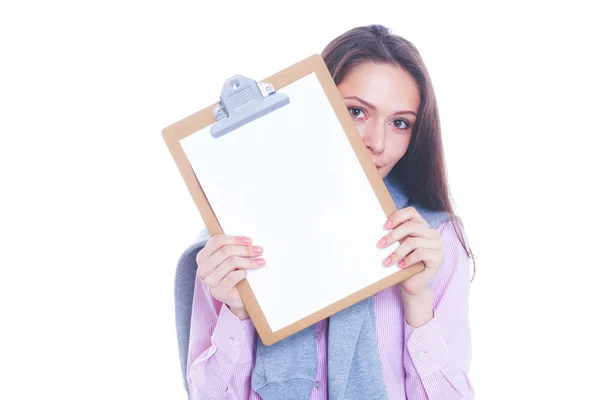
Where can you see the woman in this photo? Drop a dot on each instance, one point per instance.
(422, 337)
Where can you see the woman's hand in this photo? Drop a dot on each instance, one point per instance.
(418, 242)
(222, 264)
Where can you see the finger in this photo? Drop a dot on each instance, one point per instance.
(403, 215)
(409, 228)
(233, 278)
(230, 264)
(226, 287)
(208, 266)
(431, 258)
(409, 245)
(218, 241)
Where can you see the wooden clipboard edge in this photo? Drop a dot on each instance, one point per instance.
(201, 119)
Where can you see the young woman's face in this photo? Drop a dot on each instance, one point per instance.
(383, 99)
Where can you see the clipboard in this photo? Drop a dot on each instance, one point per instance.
(242, 102)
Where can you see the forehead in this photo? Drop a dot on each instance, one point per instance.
(389, 87)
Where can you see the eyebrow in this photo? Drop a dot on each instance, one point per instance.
(366, 103)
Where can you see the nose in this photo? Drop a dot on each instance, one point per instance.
(373, 136)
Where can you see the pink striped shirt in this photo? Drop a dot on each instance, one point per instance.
(428, 362)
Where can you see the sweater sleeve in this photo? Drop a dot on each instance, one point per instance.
(220, 355)
(437, 355)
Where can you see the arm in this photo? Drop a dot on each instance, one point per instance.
(220, 356)
(437, 350)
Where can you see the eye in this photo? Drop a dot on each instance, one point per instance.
(401, 124)
(356, 112)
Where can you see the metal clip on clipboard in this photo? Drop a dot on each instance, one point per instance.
(243, 100)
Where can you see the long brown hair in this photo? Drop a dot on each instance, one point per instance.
(422, 169)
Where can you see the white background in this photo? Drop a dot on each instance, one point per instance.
(94, 213)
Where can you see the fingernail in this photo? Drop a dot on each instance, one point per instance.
(260, 261)
(388, 224)
(257, 249)
(246, 240)
(381, 242)
(401, 263)
(387, 261)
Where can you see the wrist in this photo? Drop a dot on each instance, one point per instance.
(425, 296)
(418, 308)
(241, 313)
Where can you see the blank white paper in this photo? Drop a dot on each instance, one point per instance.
(292, 182)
